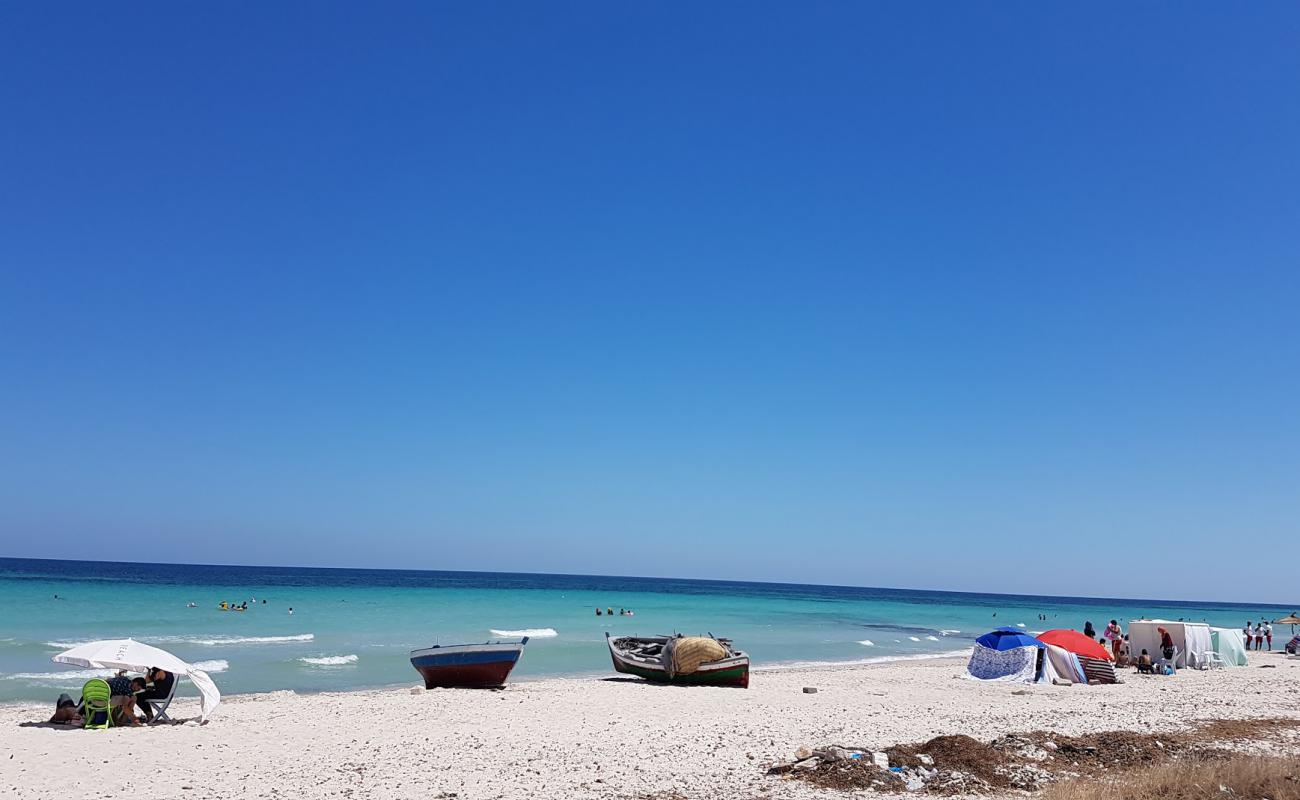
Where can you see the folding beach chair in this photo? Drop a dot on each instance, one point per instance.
(96, 704)
(160, 706)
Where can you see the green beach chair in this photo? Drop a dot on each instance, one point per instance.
(96, 704)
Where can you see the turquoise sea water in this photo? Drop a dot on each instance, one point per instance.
(354, 628)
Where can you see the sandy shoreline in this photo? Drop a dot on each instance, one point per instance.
(588, 737)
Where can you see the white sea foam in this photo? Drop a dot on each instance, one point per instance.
(535, 633)
(61, 676)
(219, 641)
(933, 638)
(1020, 624)
(867, 643)
(913, 638)
(948, 632)
(858, 662)
(67, 645)
(213, 665)
(330, 661)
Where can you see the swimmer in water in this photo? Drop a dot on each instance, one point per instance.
(291, 611)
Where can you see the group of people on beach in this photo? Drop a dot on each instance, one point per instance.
(126, 696)
(1261, 633)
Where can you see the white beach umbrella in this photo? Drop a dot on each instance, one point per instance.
(136, 656)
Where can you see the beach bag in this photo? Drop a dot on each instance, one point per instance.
(683, 656)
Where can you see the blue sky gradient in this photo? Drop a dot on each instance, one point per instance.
(873, 294)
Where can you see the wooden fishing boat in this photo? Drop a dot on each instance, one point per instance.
(668, 659)
(467, 666)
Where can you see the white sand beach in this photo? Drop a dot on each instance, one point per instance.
(561, 738)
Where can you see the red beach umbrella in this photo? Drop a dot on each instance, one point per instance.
(1076, 643)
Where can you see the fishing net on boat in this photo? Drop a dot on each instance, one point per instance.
(684, 656)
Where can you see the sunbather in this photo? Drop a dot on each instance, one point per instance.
(66, 712)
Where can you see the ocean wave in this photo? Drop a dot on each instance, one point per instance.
(947, 632)
(67, 645)
(933, 638)
(857, 662)
(330, 661)
(1020, 624)
(535, 633)
(62, 675)
(913, 638)
(214, 665)
(867, 643)
(219, 641)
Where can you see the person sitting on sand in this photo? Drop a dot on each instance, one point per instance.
(1088, 630)
(66, 712)
(1145, 664)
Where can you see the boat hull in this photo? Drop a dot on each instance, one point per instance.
(728, 672)
(484, 666)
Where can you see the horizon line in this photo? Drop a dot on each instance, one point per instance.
(1127, 600)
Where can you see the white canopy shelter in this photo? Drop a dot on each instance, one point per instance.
(1191, 638)
(136, 656)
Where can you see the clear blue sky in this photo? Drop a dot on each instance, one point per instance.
(880, 294)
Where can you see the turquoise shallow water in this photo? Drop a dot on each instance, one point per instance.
(354, 628)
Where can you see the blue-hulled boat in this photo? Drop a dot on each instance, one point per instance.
(467, 666)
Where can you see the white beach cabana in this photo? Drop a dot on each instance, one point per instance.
(1192, 640)
(134, 656)
(1230, 646)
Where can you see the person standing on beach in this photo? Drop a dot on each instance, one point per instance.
(1245, 634)
(1268, 634)
(1259, 635)
(1166, 644)
(1115, 635)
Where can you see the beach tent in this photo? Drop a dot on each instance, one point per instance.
(134, 656)
(1060, 664)
(1230, 646)
(1092, 656)
(1191, 638)
(1006, 654)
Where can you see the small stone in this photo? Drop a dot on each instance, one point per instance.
(810, 690)
(417, 690)
(802, 753)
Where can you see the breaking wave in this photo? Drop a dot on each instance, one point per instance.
(217, 641)
(214, 665)
(867, 643)
(330, 661)
(62, 676)
(529, 632)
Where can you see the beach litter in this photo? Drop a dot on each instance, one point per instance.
(1029, 761)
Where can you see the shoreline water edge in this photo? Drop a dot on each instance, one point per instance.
(354, 629)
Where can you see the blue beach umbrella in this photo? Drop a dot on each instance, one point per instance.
(1007, 639)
